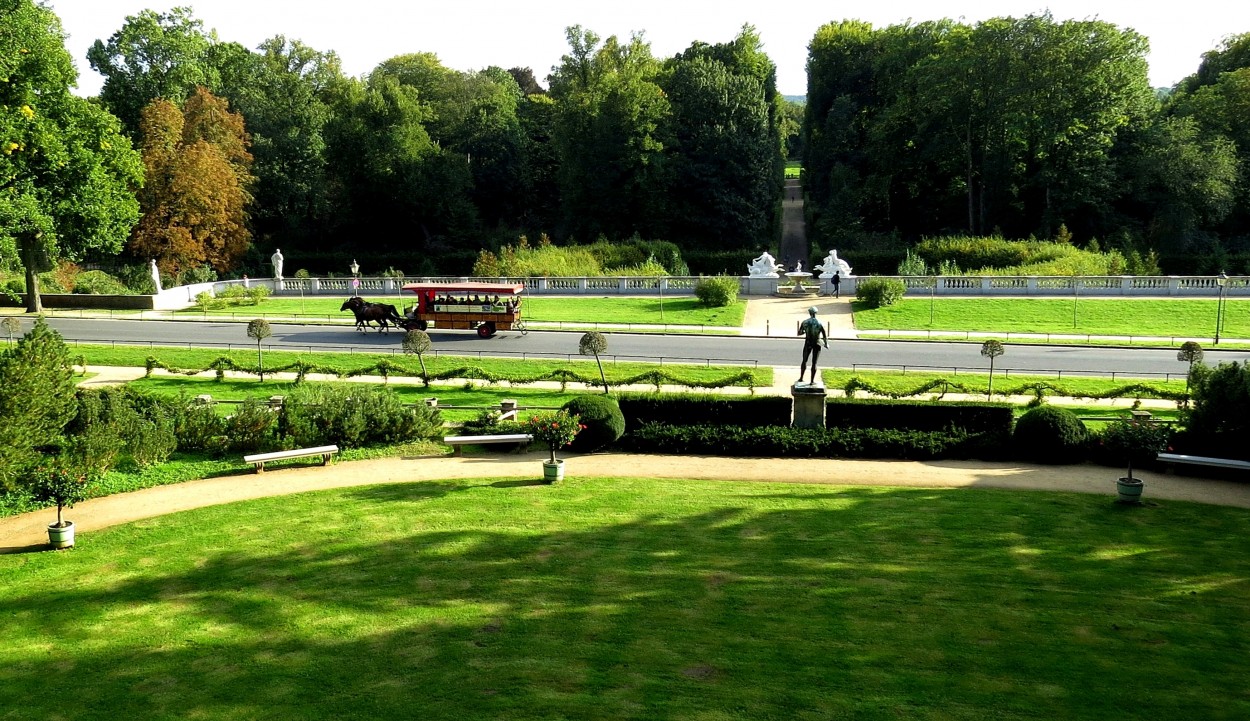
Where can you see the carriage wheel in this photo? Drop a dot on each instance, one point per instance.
(486, 330)
(422, 325)
(519, 325)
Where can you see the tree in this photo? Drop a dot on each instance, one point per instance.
(418, 342)
(594, 343)
(1190, 354)
(258, 329)
(36, 399)
(154, 55)
(991, 349)
(66, 173)
(609, 107)
(195, 205)
(11, 325)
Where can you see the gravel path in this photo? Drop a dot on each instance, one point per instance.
(28, 531)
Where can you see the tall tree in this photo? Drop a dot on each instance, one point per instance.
(609, 109)
(195, 203)
(66, 173)
(153, 55)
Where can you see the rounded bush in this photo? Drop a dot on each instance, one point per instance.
(717, 291)
(603, 420)
(879, 292)
(1051, 435)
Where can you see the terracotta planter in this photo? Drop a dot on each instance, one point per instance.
(1129, 489)
(61, 536)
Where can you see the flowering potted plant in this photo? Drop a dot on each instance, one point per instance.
(554, 429)
(1133, 440)
(58, 484)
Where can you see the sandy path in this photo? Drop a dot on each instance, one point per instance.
(28, 531)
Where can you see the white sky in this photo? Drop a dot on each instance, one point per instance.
(473, 34)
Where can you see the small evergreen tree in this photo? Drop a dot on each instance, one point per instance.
(36, 399)
(594, 343)
(259, 329)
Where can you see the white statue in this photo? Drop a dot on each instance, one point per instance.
(798, 266)
(156, 276)
(833, 265)
(764, 266)
(277, 263)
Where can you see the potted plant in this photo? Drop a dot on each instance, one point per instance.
(55, 483)
(1129, 441)
(554, 429)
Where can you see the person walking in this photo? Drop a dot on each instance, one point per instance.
(835, 281)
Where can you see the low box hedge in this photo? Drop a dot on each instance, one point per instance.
(787, 442)
(970, 416)
(696, 409)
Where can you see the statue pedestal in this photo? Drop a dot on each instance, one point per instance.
(809, 405)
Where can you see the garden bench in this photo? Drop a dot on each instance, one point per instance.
(1204, 461)
(458, 442)
(260, 459)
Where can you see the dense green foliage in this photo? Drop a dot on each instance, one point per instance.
(1028, 127)
(717, 291)
(976, 418)
(36, 400)
(603, 421)
(67, 175)
(879, 292)
(318, 414)
(1048, 434)
(787, 442)
(1218, 422)
(696, 409)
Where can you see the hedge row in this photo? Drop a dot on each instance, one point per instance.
(786, 442)
(704, 410)
(388, 368)
(919, 415)
(1039, 390)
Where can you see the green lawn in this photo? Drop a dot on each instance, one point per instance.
(794, 169)
(677, 310)
(636, 599)
(197, 358)
(1096, 316)
(899, 382)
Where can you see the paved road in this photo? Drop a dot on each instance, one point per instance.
(773, 351)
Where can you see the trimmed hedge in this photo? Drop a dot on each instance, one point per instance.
(602, 421)
(786, 442)
(972, 417)
(684, 409)
(1051, 435)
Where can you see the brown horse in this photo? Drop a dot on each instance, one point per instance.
(383, 314)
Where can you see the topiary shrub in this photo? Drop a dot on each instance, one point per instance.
(1051, 435)
(603, 421)
(717, 291)
(879, 292)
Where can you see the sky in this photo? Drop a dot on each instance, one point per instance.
(471, 35)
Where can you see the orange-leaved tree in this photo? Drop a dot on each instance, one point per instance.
(198, 172)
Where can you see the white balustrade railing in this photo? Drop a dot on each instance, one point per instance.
(971, 286)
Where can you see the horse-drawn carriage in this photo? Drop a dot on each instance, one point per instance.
(484, 307)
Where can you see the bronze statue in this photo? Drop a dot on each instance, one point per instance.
(814, 336)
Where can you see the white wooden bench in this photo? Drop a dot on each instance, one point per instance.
(1204, 461)
(260, 459)
(458, 442)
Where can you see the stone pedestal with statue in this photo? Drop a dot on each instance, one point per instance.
(809, 405)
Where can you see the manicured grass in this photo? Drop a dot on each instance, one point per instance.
(1096, 316)
(678, 310)
(635, 599)
(193, 358)
(447, 395)
(794, 169)
(900, 382)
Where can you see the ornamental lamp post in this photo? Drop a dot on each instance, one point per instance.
(355, 268)
(1221, 280)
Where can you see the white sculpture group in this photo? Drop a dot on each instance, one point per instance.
(832, 265)
(766, 266)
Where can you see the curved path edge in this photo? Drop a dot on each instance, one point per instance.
(28, 532)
